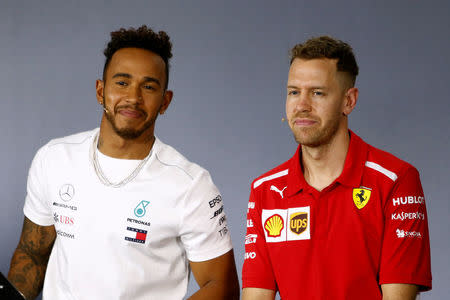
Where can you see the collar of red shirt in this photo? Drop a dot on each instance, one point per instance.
(350, 176)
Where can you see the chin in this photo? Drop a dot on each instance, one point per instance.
(311, 139)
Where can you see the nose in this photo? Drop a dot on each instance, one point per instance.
(134, 95)
(303, 103)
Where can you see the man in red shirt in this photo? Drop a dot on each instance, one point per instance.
(340, 219)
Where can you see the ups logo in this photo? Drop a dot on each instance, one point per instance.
(298, 222)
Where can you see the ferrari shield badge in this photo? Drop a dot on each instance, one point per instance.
(361, 196)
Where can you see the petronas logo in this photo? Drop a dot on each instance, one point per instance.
(140, 211)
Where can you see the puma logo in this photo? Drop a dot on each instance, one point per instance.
(274, 188)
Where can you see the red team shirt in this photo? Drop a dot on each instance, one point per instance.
(367, 228)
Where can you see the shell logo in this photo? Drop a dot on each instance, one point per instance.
(274, 225)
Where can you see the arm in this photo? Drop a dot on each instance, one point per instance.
(405, 252)
(399, 291)
(29, 261)
(257, 294)
(216, 277)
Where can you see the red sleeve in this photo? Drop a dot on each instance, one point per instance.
(405, 256)
(257, 270)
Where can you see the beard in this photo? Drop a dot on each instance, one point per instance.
(128, 133)
(315, 137)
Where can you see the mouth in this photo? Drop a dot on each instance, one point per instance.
(304, 122)
(130, 113)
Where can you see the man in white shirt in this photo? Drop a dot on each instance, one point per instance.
(114, 213)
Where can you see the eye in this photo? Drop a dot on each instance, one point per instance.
(318, 93)
(148, 87)
(293, 93)
(122, 83)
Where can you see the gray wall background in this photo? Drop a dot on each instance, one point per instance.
(228, 75)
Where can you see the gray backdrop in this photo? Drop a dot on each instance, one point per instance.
(228, 75)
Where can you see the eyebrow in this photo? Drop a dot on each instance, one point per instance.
(146, 78)
(311, 88)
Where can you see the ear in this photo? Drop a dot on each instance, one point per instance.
(351, 97)
(99, 88)
(167, 98)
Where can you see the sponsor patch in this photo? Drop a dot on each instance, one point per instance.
(361, 197)
(217, 212)
(66, 192)
(66, 220)
(250, 238)
(65, 234)
(408, 216)
(222, 220)
(249, 223)
(223, 231)
(215, 201)
(299, 224)
(138, 222)
(408, 200)
(140, 209)
(136, 235)
(407, 234)
(274, 225)
(282, 225)
(71, 207)
(275, 189)
(250, 255)
(251, 205)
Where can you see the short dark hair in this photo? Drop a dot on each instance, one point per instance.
(328, 47)
(143, 38)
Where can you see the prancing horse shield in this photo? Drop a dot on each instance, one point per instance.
(361, 197)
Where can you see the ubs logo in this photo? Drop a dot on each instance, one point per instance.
(66, 192)
(299, 222)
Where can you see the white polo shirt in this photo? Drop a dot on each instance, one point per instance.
(132, 242)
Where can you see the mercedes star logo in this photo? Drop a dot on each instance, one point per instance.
(66, 192)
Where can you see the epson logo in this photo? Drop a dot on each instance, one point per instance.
(215, 201)
(249, 255)
(408, 200)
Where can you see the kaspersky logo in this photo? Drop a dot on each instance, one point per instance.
(274, 225)
(140, 211)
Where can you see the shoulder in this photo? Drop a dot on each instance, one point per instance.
(387, 165)
(176, 163)
(275, 175)
(74, 139)
(66, 143)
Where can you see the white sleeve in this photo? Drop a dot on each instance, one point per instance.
(203, 229)
(37, 207)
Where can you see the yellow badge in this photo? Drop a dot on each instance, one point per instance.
(361, 196)
(274, 225)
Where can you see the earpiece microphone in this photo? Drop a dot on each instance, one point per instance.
(283, 119)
